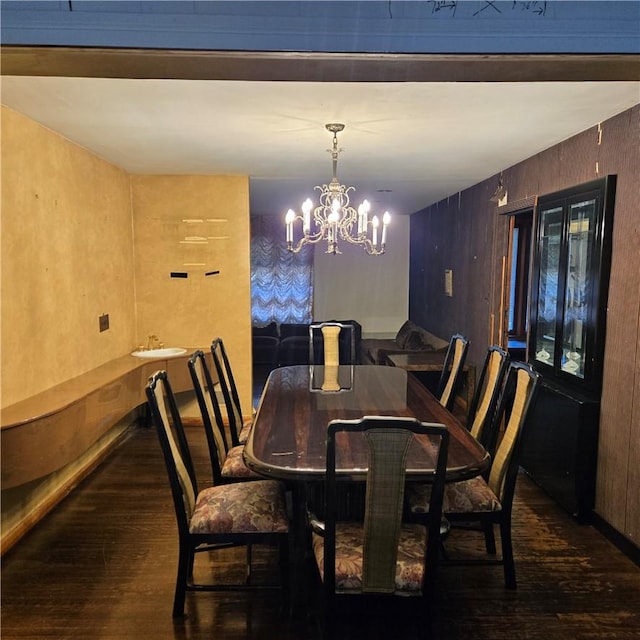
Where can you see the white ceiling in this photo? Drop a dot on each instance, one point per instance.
(405, 145)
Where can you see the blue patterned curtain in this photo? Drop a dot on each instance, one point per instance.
(281, 282)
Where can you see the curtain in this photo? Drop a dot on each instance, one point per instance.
(281, 282)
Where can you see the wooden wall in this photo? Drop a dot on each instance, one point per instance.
(466, 234)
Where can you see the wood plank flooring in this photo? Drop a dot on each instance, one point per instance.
(102, 566)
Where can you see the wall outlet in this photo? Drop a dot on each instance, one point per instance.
(103, 321)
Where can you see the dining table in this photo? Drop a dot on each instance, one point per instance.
(288, 438)
(288, 441)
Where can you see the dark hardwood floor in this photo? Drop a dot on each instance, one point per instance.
(102, 565)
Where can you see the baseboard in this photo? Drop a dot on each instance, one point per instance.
(620, 541)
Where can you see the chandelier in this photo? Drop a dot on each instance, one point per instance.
(334, 218)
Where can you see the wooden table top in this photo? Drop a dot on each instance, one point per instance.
(288, 439)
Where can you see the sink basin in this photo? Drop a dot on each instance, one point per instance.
(160, 353)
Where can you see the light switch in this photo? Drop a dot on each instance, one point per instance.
(448, 282)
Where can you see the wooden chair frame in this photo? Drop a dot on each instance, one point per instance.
(327, 529)
(485, 399)
(453, 364)
(184, 491)
(317, 327)
(503, 473)
(212, 419)
(229, 389)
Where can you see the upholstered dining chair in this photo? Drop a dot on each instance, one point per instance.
(489, 502)
(378, 554)
(332, 343)
(485, 399)
(453, 364)
(239, 426)
(221, 516)
(227, 464)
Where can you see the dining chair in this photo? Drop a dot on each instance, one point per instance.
(236, 514)
(332, 343)
(453, 364)
(490, 502)
(239, 427)
(485, 399)
(227, 463)
(379, 555)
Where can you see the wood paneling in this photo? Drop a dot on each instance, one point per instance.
(466, 234)
(314, 67)
(618, 494)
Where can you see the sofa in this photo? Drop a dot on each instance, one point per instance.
(410, 338)
(279, 345)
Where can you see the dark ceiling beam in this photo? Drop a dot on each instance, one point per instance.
(315, 67)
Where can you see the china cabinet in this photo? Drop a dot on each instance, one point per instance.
(570, 278)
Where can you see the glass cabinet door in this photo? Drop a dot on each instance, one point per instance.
(569, 286)
(580, 239)
(550, 243)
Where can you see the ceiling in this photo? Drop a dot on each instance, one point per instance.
(405, 145)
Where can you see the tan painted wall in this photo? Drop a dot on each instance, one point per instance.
(193, 311)
(69, 224)
(67, 257)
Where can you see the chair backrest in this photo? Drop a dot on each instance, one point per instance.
(332, 343)
(228, 388)
(453, 364)
(485, 399)
(388, 440)
(175, 450)
(514, 411)
(212, 419)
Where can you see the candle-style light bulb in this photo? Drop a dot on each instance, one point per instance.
(333, 219)
(307, 205)
(386, 219)
(363, 211)
(289, 218)
(374, 223)
(365, 216)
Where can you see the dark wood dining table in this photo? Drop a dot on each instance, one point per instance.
(288, 438)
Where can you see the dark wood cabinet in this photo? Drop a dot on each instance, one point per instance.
(571, 261)
(561, 451)
(570, 280)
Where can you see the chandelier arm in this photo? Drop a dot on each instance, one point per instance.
(310, 239)
(367, 245)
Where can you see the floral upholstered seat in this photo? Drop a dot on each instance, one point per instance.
(240, 508)
(349, 555)
(468, 496)
(239, 514)
(234, 466)
(379, 555)
(490, 501)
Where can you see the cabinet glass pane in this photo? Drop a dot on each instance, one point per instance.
(550, 242)
(582, 217)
